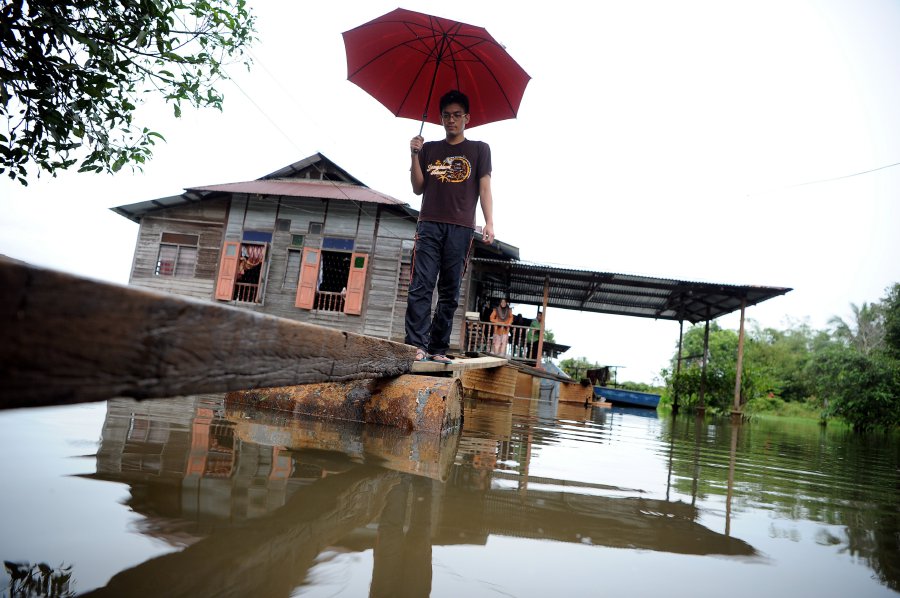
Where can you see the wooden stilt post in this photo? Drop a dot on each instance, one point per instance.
(677, 367)
(540, 348)
(736, 409)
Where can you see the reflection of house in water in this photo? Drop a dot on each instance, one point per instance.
(254, 498)
(183, 461)
(203, 468)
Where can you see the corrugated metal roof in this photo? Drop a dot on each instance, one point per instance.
(284, 187)
(620, 294)
(314, 177)
(303, 188)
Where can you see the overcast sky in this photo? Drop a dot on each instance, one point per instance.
(710, 141)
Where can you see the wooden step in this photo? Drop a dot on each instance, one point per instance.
(459, 364)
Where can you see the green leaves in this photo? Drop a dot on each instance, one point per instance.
(74, 73)
(864, 390)
(891, 306)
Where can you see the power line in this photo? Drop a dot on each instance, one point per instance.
(828, 180)
(846, 176)
(267, 117)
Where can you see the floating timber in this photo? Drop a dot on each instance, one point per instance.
(409, 402)
(528, 384)
(66, 339)
(581, 393)
(494, 384)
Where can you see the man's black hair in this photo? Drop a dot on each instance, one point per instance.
(455, 97)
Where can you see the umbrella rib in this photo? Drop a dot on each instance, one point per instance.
(429, 55)
(475, 58)
(446, 41)
(405, 43)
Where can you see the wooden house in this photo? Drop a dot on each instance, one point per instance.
(308, 242)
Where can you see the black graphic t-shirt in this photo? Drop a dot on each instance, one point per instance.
(452, 173)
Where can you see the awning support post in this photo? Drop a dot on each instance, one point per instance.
(540, 348)
(736, 409)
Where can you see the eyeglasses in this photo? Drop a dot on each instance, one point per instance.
(452, 115)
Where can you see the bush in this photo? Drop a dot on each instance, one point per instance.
(862, 389)
(765, 404)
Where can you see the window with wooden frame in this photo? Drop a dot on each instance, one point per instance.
(177, 255)
(334, 271)
(332, 278)
(241, 272)
(249, 279)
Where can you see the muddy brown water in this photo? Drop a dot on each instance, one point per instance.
(190, 497)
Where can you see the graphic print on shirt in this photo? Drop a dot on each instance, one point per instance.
(454, 169)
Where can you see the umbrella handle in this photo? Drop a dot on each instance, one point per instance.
(421, 127)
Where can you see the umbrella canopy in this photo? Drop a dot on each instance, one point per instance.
(407, 60)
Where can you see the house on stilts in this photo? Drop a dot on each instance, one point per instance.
(308, 242)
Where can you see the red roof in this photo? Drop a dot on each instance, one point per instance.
(304, 188)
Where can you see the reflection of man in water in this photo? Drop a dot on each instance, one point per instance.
(403, 546)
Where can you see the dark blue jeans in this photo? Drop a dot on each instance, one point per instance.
(439, 258)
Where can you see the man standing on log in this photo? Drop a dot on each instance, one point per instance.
(453, 174)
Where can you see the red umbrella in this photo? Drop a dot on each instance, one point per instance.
(407, 60)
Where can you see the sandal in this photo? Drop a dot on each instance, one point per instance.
(421, 355)
(441, 359)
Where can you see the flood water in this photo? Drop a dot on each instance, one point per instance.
(190, 497)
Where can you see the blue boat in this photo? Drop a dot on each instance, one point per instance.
(632, 398)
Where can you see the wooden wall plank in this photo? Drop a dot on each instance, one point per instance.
(260, 214)
(235, 226)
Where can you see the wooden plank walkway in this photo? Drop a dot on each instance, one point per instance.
(459, 364)
(66, 339)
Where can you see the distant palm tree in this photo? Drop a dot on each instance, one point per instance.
(866, 332)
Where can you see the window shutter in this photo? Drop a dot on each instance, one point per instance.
(309, 278)
(227, 270)
(356, 283)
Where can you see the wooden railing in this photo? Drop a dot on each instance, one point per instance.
(479, 338)
(328, 301)
(246, 292)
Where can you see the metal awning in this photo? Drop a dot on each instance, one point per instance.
(620, 294)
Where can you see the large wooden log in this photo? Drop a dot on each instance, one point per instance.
(66, 339)
(409, 402)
